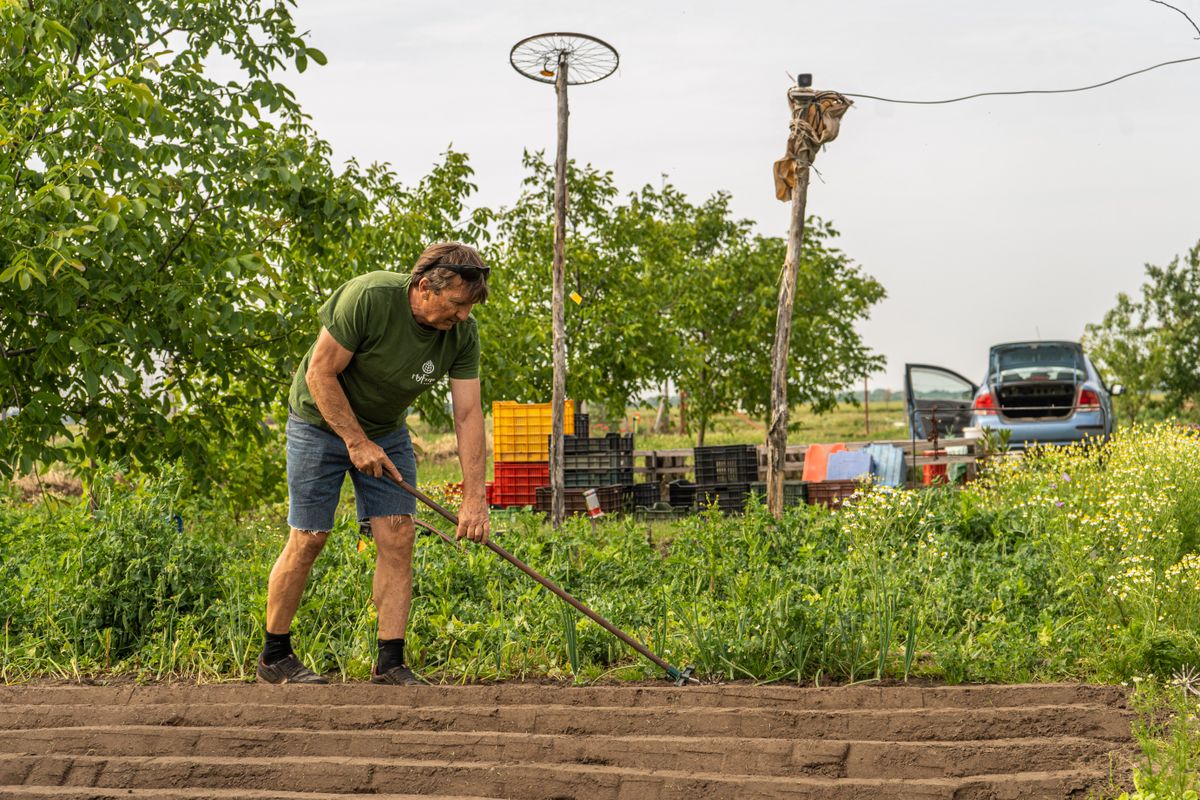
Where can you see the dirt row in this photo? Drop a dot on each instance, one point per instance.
(548, 742)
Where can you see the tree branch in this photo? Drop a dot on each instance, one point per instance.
(183, 236)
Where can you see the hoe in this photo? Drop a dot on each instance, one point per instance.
(681, 677)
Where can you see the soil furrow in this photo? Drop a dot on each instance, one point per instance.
(542, 781)
(717, 696)
(902, 724)
(781, 757)
(549, 742)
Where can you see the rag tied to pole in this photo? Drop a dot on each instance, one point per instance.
(816, 117)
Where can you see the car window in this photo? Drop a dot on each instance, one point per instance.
(1034, 362)
(933, 384)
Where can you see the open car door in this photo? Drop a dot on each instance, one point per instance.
(937, 393)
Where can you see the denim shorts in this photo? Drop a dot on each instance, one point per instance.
(317, 463)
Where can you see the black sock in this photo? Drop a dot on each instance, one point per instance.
(391, 654)
(277, 648)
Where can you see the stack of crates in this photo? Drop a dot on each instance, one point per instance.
(724, 475)
(603, 463)
(591, 463)
(520, 451)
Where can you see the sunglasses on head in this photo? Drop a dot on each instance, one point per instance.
(468, 272)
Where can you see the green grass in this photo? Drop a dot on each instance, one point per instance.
(1068, 564)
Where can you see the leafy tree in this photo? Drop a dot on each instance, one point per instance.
(165, 238)
(615, 342)
(726, 330)
(146, 307)
(1151, 343)
(1128, 350)
(670, 290)
(1172, 294)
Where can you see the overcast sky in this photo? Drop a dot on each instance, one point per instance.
(989, 220)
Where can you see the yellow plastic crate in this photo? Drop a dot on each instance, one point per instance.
(519, 430)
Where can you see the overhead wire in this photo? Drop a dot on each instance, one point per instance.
(1020, 91)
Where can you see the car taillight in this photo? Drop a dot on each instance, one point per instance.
(984, 403)
(1089, 400)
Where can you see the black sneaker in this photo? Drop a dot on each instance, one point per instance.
(396, 676)
(287, 670)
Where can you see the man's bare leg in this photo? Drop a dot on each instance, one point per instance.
(392, 590)
(289, 577)
(278, 664)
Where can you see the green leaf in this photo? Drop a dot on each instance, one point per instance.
(317, 56)
(109, 221)
(63, 192)
(301, 61)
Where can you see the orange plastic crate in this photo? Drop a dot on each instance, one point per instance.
(519, 430)
(517, 481)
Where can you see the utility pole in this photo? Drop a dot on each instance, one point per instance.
(561, 59)
(815, 119)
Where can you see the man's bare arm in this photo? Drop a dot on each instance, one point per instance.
(328, 360)
(473, 520)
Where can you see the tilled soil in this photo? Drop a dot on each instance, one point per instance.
(545, 742)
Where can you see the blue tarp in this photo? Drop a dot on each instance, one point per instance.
(848, 465)
(887, 464)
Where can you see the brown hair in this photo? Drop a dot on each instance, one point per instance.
(439, 279)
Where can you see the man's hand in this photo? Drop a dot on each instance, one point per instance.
(473, 522)
(370, 458)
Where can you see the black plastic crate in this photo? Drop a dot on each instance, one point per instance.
(573, 502)
(642, 495)
(681, 493)
(591, 478)
(730, 498)
(726, 464)
(606, 459)
(581, 424)
(614, 442)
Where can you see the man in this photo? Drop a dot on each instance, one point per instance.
(386, 338)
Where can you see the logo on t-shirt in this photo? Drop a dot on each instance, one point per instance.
(426, 376)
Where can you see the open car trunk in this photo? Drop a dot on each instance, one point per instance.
(1036, 399)
(1036, 380)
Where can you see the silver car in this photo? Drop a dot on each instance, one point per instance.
(1043, 392)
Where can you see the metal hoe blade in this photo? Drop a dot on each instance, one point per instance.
(681, 677)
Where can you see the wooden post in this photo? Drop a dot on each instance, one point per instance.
(866, 408)
(777, 429)
(558, 398)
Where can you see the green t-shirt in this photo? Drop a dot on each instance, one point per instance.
(395, 359)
